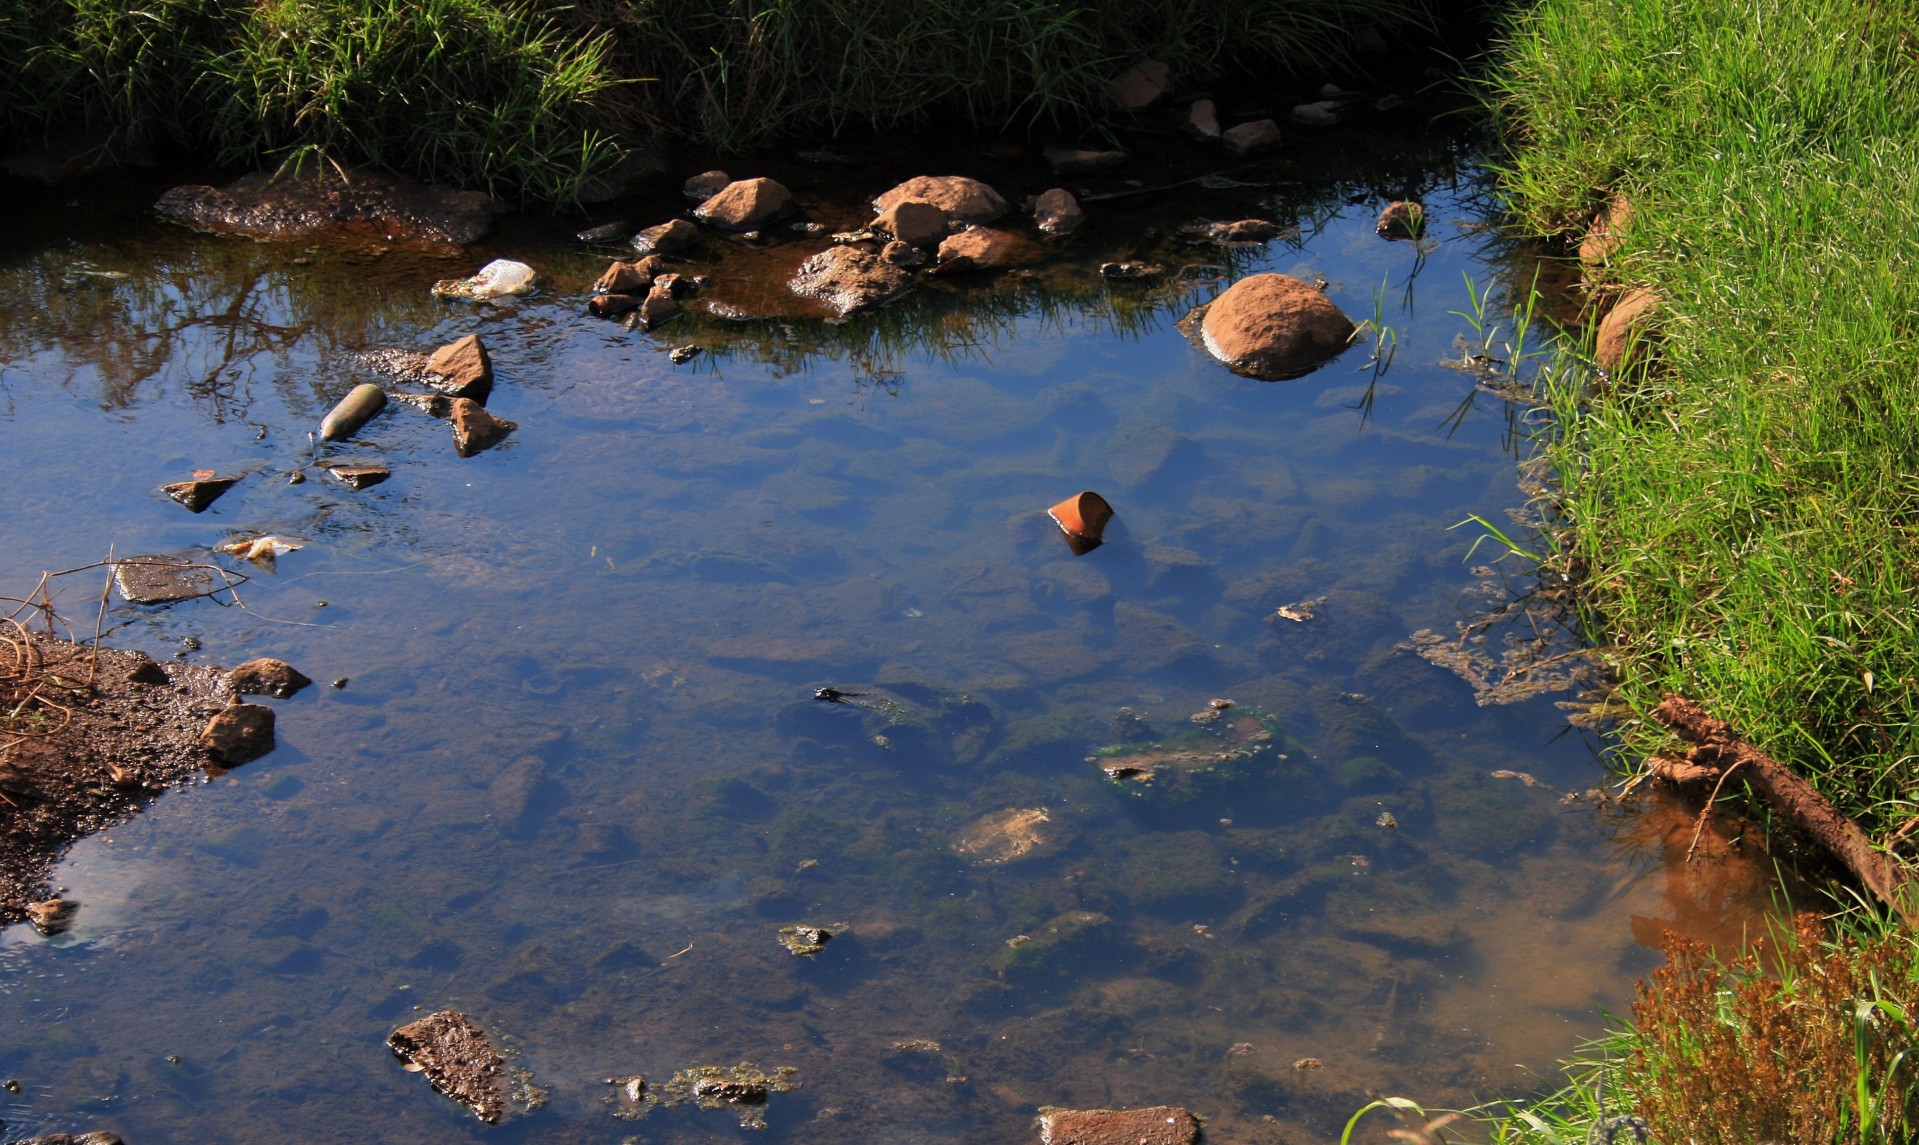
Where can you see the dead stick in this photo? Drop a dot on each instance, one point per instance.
(1705, 812)
(1715, 745)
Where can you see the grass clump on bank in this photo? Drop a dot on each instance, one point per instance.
(1746, 509)
(1815, 1044)
(532, 101)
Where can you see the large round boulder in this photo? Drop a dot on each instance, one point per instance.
(1272, 326)
(963, 200)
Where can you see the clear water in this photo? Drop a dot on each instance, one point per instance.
(576, 781)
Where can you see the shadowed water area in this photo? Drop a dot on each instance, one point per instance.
(577, 780)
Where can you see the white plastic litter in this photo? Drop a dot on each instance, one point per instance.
(497, 279)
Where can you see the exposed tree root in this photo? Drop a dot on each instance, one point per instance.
(1717, 753)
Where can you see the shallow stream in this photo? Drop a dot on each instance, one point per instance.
(576, 779)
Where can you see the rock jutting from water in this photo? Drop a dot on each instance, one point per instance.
(361, 404)
(266, 676)
(1401, 220)
(1154, 1125)
(961, 199)
(200, 492)
(667, 238)
(474, 429)
(805, 941)
(745, 205)
(238, 733)
(457, 1059)
(1272, 327)
(1057, 213)
(462, 369)
(265, 206)
(848, 279)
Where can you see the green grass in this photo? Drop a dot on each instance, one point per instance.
(1746, 511)
(531, 101)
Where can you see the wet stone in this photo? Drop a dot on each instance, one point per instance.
(1076, 161)
(266, 206)
(1320, 113)
(745, 205)
(266, 676)
(805, 941)
(1057, 212)
(238, 733)
(1273, 327)
(360, 476)
(914, 222)
(984, 247)
(361, 405)
(1246, 138)
(667, 238)
(462, 369)
(744, 1088)
(659, 306)
(1008, 836)
(51, 916)
(200, 492)
(1142, 85)
(1243, 231)
(163, 580)
(474, 429)
(604, 233)
(848, 279)
(458, 1060)
(962, 199)
(630, 277)
(1201, 120)
(1155, 1125)
(613, 305)
(1401, 220)
(705, 185)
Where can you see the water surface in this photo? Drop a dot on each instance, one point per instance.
(576, 780)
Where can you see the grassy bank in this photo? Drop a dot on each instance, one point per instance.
(1745, 510)
(531, 101)
(1740, 507)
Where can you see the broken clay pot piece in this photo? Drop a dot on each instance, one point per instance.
(1082, 517)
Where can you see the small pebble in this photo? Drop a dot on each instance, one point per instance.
(341, 682)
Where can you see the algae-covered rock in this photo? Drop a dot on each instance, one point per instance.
(743, 1088)
(1230, 749)
(1043, 948)
(1183, 873)
(1010, 835)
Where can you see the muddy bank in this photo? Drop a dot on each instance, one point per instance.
(104, 733)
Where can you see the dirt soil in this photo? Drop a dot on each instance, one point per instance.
(88, 739)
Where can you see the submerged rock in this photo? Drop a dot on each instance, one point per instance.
(745, 205)
(1231, 747)
(1008, 836)
(266, 676)
(1155, 1125)
(264, 207)
(848, 279)
(962, 199)
(805, 941)
(743, 1088)
(705, 185)
(1273, 327)
(163, 580)
(458, 1060)
(51, 916)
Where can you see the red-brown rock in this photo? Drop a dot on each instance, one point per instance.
(745, 205)
(266, 676)
(462, 369)
(1245, 138)
(200, 492)
(914, 222)
(986, 247)
(1142, 85)
(667, 238)
(1607, 233)
(1273, 326)
(659, 306)
(705, 185)
(963, 200)
(1057, 212)
(1201, 120)
(1402, 220)
(848, 279)
(238, 733)
(1154, 1125)
(458, 1061)
(630, 277)
(613, 305)
(474, 429)
(1626, 332)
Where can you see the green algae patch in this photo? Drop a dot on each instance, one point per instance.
(1226, 749)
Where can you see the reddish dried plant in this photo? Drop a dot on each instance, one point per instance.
(1808, 1049)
